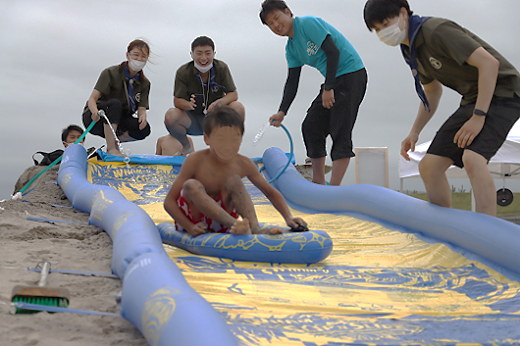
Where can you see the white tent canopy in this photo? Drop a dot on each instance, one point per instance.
(504, 165)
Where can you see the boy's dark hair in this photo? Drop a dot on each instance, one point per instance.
(222, 116)
(271, 5)
(202, 41)
(67, 130)
(376, 11)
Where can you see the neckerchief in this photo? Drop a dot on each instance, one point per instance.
(414, 24)
(131, 81)
(212, 85)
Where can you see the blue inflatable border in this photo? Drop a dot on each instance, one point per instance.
(155, 297)
(146, 159)
(294, 247)
(493, 239)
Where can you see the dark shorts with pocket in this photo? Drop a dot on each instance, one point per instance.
(502, 115)
(338, 121)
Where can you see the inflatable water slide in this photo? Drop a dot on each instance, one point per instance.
(376, 268)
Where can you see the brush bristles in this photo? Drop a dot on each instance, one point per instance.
(45, 301)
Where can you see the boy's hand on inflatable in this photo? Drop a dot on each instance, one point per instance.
(297, 224)
(198, 229)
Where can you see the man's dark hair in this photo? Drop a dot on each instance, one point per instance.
(67, 130)
(202, 41)
(223, 116)
(376, 11)
(271, 5)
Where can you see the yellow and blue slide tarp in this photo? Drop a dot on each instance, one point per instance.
(384, 283)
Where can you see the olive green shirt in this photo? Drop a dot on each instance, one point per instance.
(111, 84)
(187, 83)
(442, 48)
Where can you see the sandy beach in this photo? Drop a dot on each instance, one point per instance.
(67, 246)
(73, 245)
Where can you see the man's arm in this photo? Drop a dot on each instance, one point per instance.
(332, 52)
(185, 105)
(289, 93)
(433, 93)
(487, 66)
(180, 90)
(224, 101)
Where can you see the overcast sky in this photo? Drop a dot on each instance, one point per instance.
(53, 51)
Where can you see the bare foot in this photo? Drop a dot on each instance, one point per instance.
(269, 230)
(115, 152)
(241, 227)
(273, 230)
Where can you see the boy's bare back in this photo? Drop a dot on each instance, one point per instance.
(169, 146)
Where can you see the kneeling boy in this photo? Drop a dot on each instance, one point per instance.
(208, 194)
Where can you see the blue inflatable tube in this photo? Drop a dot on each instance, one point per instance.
(493, 239)
(295, 247)
(156, 298)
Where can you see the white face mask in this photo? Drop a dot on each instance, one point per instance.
(393, 35)
(203, 69)
(136, 65)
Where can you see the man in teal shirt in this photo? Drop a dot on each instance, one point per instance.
(314, 42)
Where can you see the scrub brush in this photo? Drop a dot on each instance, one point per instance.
(40, 294)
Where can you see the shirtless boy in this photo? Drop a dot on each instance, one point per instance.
(169, 146)
(208, 194)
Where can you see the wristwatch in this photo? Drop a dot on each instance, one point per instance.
(479, 112)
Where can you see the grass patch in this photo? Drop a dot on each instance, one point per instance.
(462, 200)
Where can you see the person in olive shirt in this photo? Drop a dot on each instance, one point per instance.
(122, 93)
(441, 52)
(208, 78)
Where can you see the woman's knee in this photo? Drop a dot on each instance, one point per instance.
(139, 135)
(113, 109)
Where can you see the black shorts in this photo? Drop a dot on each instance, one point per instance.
(197, 120)
(125, 122)
(338, 121)
(502, 115)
